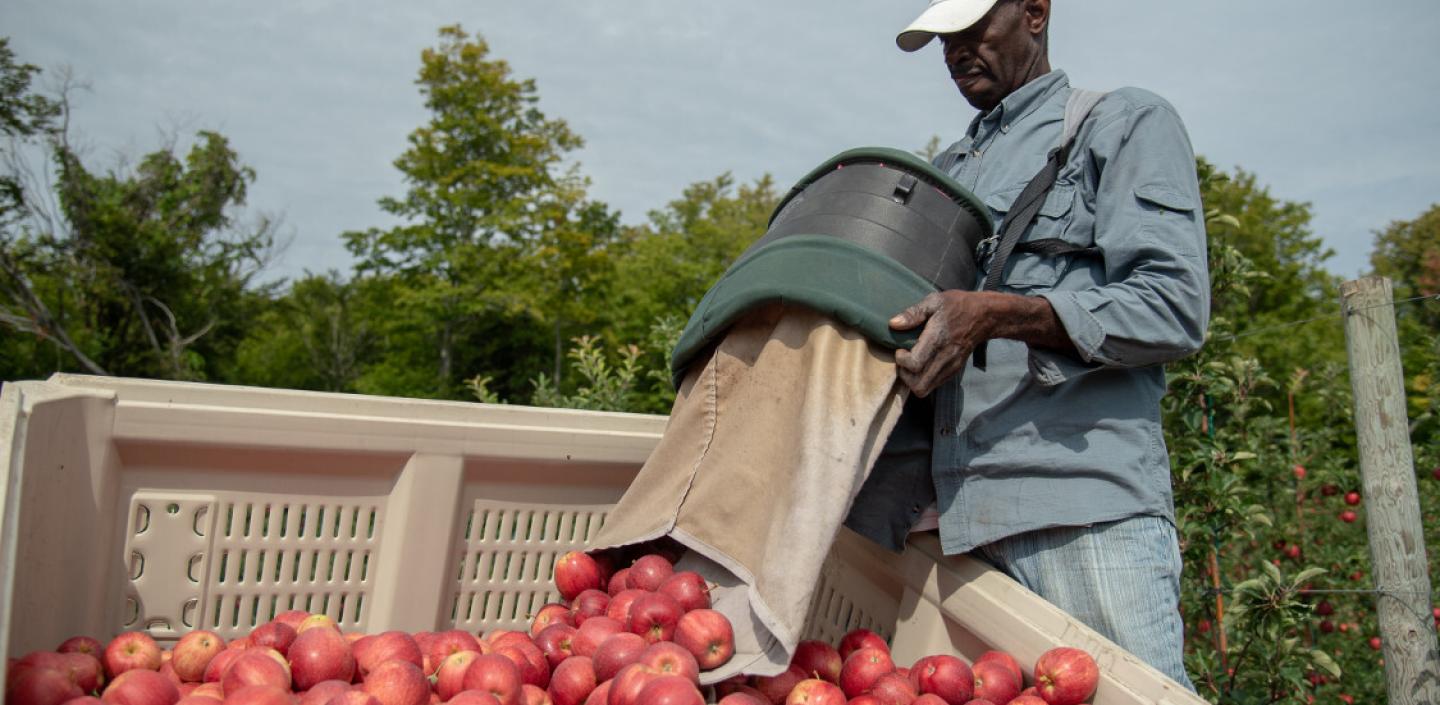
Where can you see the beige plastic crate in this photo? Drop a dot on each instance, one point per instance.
(165, 506)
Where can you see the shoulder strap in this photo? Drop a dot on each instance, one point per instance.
(1027, 205)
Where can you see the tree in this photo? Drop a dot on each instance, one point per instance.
(139, 271)
(485, 215)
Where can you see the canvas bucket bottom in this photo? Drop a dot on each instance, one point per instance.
(766, 447)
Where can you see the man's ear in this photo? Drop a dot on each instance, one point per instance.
(1037, 16)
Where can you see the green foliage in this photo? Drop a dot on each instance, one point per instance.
(141, 271)
(493, 235)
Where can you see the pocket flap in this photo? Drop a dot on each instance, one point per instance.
(1166, 197)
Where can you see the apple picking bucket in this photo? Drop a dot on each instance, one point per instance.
(165, 507)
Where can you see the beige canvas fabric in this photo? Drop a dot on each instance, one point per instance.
(767, 444)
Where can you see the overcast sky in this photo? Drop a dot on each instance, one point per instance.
(1331, 103)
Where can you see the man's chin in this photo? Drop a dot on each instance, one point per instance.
(978, 92)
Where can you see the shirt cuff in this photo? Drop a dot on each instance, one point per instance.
(1051, 367)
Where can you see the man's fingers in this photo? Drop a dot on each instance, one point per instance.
(938, 373)
(915, 315)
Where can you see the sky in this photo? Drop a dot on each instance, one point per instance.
(1329, 103)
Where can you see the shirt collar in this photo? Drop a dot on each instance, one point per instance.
(1023, 101)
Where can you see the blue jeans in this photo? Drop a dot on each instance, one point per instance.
(1121, 578)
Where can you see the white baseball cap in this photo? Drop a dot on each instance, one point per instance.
(942, 17)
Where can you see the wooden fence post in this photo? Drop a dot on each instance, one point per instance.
(1392, 505)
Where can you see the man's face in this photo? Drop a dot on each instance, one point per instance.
(999, 53)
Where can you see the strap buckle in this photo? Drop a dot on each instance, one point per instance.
(985, 249)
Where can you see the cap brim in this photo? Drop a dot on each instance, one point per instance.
(945, 17)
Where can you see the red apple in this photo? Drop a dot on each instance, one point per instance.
(707, 635)
(503, 637)
(534, 667)
(599, 696)
(260, 695)
(1008, 661)
(893, 689)
(863, 668)
(1066, 676)
(1027, 700)
(82, 669)
(743, 699)
(254, 667)
(373, 650)
(670, 690)
(617, 582)
(530, 695)
(648, 572)
(945, 676)
(450, 676)
(130, 651)
(314, 621)
(576, 572)
(931, 699)
(397, 682)
(589, 635)
(978, 701)
(670, 659)
(1348, 516)
(38, 685)
(777, 687)
(441, 646)
(82, 644)
(276, 635)
(751, 693)
(626, 686)
(193, 653)
(496, 675)
(814, 691)
(619, 607)
(688, 588)
(292, 618)
(556, 643)
(222, 661)
(139, 686)
(590, 603)
(474, 697)
(320, 655)
(209, 690)
(861, 639)
(573, 681)
(323, 692)
(994, 681)
(654, 616)
(354, 696)
(616, 652)
(193, 699)
(552, 613)
(1352, 498)
(818, 660)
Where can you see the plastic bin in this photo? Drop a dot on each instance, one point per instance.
(164, 506)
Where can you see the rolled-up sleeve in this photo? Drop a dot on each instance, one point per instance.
(1150, 231)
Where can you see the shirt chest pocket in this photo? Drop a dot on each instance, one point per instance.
(1032, 270)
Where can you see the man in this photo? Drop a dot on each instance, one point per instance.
(1050, 462)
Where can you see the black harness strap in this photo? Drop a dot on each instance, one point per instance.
(1027, 205)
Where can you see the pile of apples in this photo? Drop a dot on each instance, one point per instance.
(640, 635)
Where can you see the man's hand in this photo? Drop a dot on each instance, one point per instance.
(956, 322)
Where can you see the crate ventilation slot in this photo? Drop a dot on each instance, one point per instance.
(227, 565)
(504, 570)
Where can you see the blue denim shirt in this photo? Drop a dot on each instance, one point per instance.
(1042, 438)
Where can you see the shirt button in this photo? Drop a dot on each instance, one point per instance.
(974, 153)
